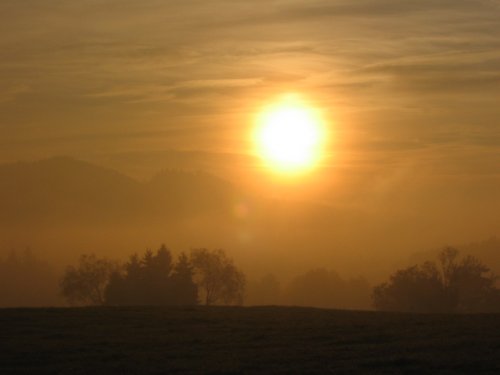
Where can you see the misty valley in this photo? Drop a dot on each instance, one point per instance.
(88, 285)
(97, 225)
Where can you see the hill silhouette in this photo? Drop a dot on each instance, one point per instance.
(70, 190)
(63, 189)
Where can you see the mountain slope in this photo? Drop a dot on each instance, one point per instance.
(69, 190)
(63, 189)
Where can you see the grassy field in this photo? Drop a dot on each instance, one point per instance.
(244, 340)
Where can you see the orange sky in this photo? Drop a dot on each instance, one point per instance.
(410, 90)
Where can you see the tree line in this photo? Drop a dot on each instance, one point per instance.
(450, 285)
(155, 278)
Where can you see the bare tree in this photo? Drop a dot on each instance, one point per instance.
(86, 283)
(218, 279)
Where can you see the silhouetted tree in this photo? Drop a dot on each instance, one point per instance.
(414, 289)
(470, 284)
(153, 280)
(86, 283)
(218, 279)
(185, 291)
(454, 286)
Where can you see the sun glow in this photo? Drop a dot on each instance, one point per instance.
(289, 136)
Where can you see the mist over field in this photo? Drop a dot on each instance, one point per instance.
(285, 247)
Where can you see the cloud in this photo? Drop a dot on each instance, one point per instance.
(399, 77)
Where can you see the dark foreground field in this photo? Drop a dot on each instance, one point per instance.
(244, 340)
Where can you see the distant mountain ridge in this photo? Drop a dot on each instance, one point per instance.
(62, 188)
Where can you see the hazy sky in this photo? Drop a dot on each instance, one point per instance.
(411, 89)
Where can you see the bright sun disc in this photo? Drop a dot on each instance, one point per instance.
(289, 137)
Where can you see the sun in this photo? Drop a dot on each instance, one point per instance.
(289, 136)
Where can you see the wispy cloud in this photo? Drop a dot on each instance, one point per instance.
(403, 78)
